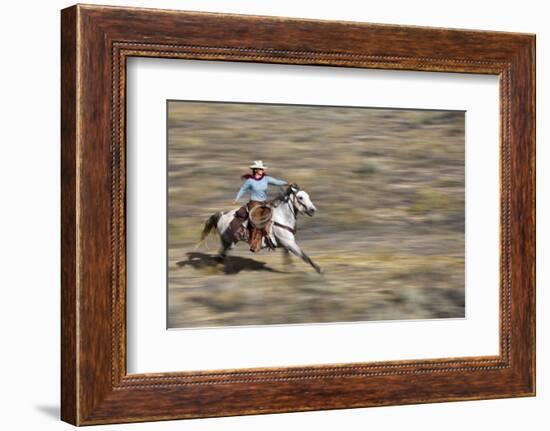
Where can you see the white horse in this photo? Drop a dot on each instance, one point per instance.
(285, 211)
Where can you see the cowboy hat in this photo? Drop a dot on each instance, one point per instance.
(258, 164)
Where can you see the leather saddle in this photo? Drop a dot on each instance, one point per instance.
(252, 223)
(259, 216)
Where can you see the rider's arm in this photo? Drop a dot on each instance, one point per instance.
(276, 182)
(244, 188)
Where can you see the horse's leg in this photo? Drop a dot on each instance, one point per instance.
(295, 249)
(226, 244)
(287, 259)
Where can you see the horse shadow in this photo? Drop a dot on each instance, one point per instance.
(231, 264)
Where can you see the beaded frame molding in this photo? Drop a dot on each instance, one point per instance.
(95, 43)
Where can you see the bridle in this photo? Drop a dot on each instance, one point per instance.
(292, 201)
(295, 203)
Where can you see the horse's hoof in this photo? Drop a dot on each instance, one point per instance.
(319, 270)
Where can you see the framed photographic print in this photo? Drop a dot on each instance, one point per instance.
(263, 214)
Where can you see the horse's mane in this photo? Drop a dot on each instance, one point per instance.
(283, 195)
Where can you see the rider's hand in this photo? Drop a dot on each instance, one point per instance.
(234, 202)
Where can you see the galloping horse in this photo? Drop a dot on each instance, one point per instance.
(285, 211)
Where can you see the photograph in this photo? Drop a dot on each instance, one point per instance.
(282, 214)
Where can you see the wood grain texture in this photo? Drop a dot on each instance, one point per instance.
(96, 41)
(69, 365)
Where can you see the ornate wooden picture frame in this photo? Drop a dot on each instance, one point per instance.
(96, 41)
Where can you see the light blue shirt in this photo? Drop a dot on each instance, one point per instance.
(258, 188)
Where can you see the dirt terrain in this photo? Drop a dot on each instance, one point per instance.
(389, 231)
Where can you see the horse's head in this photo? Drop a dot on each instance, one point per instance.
(300, 200)
(303, 203)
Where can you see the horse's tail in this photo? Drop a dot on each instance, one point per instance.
(211, 223)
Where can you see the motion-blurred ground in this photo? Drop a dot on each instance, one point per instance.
(389, 231)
